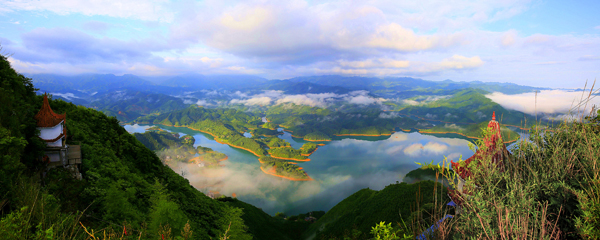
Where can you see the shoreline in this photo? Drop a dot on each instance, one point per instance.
(462, 134)
(364, 135)
(293, 159)
(216, 139)
(288, 178)
(310, 153)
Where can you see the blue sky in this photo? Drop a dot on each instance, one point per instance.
(537, 43)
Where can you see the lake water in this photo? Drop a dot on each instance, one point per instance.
(339, 169)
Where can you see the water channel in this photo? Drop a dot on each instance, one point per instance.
(339, 168)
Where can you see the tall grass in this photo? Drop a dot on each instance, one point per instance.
(548, 189)
(37, 215)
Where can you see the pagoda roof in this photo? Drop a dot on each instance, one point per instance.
(46, 117)
(490, 143)
(498, 157)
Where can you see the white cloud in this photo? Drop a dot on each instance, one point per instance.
(263, 101)
(147, 10)
(202, 103)
(300, 100)
(417, 149)
(67, 96)
(389, 115)
(410, 102)
(508, 38)
(435, 147)
(365, 100)
(454, 157)
(373, 63)
(394, 36)
(548, 101)
(414, 149)
(461, 62)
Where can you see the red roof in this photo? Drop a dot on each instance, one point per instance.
(46, 117)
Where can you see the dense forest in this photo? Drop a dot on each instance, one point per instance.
(125, 183)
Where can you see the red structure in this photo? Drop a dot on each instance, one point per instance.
(498, 156)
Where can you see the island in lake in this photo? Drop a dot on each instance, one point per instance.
(283, 169)
(173, 149)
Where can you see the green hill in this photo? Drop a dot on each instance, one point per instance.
(125, 184)
(466, 106)
(363, 209)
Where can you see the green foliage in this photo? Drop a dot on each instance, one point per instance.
(365, 208)
(227, 134)
(308, 148)
(382, 231)
(466, 106)
(273, 142)
(264, 132)
(37, 215)
(225, 124)
(473, 130)
(287, 152)
(548, 189)
(160, 140)
(17, 126)
(163, 211)
(282, 168)
(317, 136)
(313, 123)
(263, 226)
(118, 171)
(269, 125)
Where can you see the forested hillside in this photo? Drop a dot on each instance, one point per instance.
(125, 184)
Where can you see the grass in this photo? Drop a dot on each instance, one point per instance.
(549, 189)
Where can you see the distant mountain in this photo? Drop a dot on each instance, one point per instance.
(290, 87)
(228, 82)
(401, 84)
(127, 105)
(87, 83)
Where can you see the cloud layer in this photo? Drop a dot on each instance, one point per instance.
(548, 101)
(322, 100)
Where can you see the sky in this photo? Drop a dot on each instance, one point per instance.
(537, 43)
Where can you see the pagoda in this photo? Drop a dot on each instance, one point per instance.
(54, 132)
(498, 156)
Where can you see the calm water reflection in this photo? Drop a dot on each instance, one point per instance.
(340, 168)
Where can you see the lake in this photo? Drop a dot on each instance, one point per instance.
(339, 169)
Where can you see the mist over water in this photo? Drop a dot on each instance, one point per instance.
(339, 169)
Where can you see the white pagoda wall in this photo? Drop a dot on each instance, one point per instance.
(57, 143)
(51, 133)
